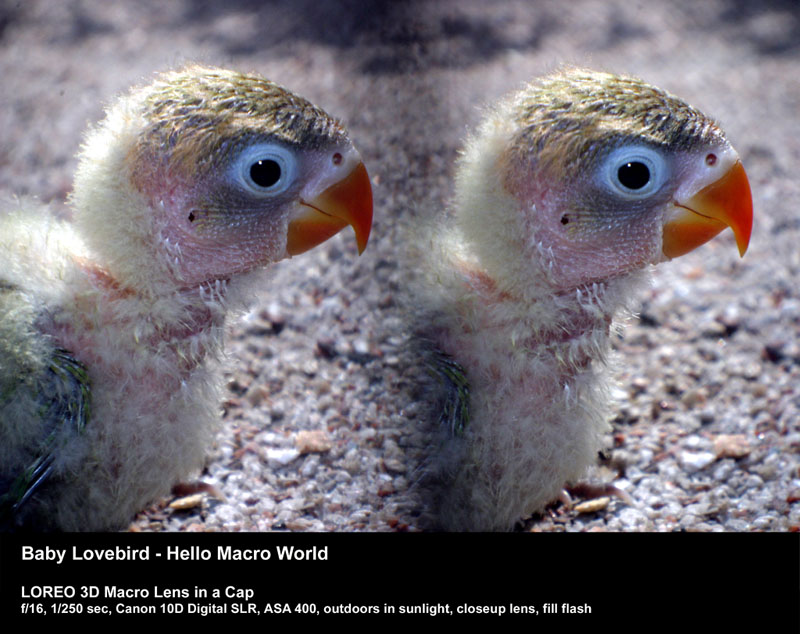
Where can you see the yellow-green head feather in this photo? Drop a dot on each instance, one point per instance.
(579, 112)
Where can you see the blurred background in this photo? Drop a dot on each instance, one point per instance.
(324, 418)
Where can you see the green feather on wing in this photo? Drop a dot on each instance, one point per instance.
(65, 411)
(455, 388)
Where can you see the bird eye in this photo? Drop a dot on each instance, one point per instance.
(265, 172)
(635, 172)
(266, 169)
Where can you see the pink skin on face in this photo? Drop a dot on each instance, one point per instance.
(580, 252)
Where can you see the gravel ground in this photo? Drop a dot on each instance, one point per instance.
(323, 420)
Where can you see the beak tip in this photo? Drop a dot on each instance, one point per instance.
(362, 236)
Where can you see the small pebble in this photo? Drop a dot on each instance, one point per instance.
(279, 456)
(314, 441)
(696, 460)
(188, 502)
(592, 506)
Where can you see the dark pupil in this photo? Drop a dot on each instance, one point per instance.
(634, 175)
(265, 173)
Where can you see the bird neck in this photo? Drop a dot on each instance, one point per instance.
(557, 317)
(158, 319)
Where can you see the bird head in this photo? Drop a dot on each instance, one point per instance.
(211, 173)
(599, 175)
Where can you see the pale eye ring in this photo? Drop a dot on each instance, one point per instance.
(266, 169)
(635, 172)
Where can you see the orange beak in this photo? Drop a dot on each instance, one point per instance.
(724, 203)
(348, 202)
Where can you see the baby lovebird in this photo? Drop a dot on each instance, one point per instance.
(112, 326)
(567, 194)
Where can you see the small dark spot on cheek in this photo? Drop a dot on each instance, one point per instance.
(564, 219)
(191, 216)
(337, 159)
(711, 159)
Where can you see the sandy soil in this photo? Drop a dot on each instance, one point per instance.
(323, 418)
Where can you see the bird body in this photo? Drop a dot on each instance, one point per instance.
(113, 325)
(568, 192)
